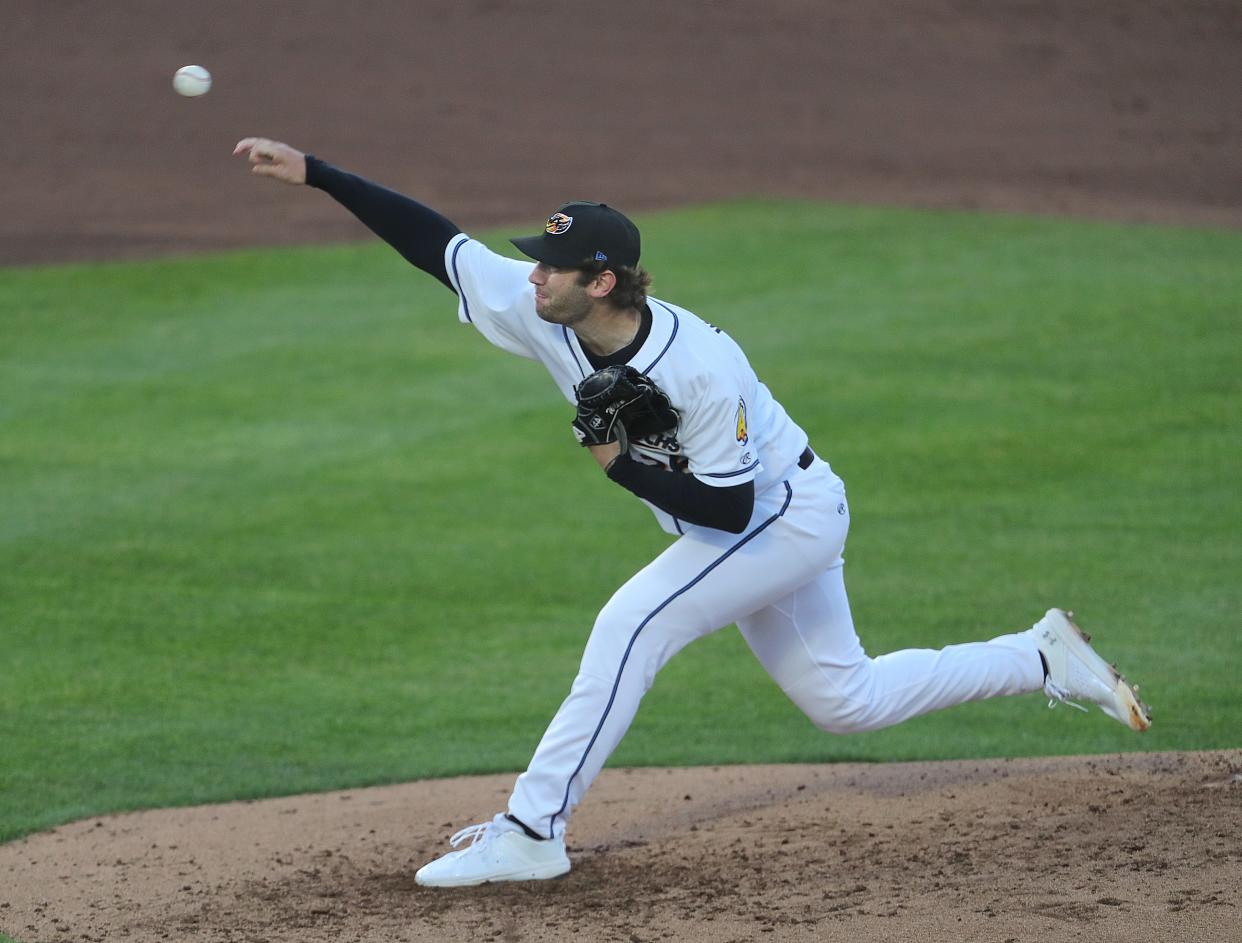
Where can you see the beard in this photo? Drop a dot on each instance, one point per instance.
(567, 308)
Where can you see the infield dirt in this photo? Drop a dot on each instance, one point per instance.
(495, 113)
(1109, 848)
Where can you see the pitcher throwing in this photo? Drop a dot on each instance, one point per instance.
(669, 407)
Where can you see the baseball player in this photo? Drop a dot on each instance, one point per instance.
(671, 410)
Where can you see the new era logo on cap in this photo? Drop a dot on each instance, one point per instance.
(582, 233)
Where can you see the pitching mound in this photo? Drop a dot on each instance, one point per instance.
(1141, 846)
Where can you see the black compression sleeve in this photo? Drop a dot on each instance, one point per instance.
(419, 233)
(685, 497)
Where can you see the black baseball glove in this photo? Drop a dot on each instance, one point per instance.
(618, 403)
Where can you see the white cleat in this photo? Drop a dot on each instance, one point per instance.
(495, 854)
(1076, 671)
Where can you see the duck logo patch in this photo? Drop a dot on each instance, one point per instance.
(558, 223)
(742, 435)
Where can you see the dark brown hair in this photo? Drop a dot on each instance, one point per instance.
(633, 282)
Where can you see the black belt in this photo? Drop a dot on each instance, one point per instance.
(805, 459)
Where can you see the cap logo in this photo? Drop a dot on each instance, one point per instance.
(558, 223)
(600, 257)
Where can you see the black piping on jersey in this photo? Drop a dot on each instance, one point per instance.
(732, 474)
(671, 337)
(465, 302)
(573, 353)
(621, 357)
(625, 354)
(638, 631)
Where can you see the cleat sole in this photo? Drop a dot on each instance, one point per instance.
(1138, 714)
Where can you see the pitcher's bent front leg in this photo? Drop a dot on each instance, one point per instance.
(697, 585)
(634, 637)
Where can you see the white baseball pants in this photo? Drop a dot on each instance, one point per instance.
(781, 582)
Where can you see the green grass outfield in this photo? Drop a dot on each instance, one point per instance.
(275, 522)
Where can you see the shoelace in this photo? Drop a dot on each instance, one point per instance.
(472, 832)
(1058, 695)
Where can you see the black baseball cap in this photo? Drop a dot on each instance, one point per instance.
(583, 233)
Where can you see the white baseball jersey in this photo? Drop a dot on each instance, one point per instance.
(730, 430)
(780, 581)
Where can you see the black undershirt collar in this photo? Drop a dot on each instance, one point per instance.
(622, 356)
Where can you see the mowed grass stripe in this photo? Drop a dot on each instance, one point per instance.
(274, 521)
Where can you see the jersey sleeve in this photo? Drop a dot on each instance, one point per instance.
(493, 294)
(715, 436)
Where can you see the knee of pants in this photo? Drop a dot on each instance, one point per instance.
(628, 633)
(840, 702)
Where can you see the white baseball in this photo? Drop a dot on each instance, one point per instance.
(192, 80)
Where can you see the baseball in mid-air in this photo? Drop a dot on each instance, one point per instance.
(192, 81)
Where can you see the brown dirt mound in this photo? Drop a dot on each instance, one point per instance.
(1132, 847)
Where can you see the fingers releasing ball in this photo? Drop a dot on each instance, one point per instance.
(192, 81)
